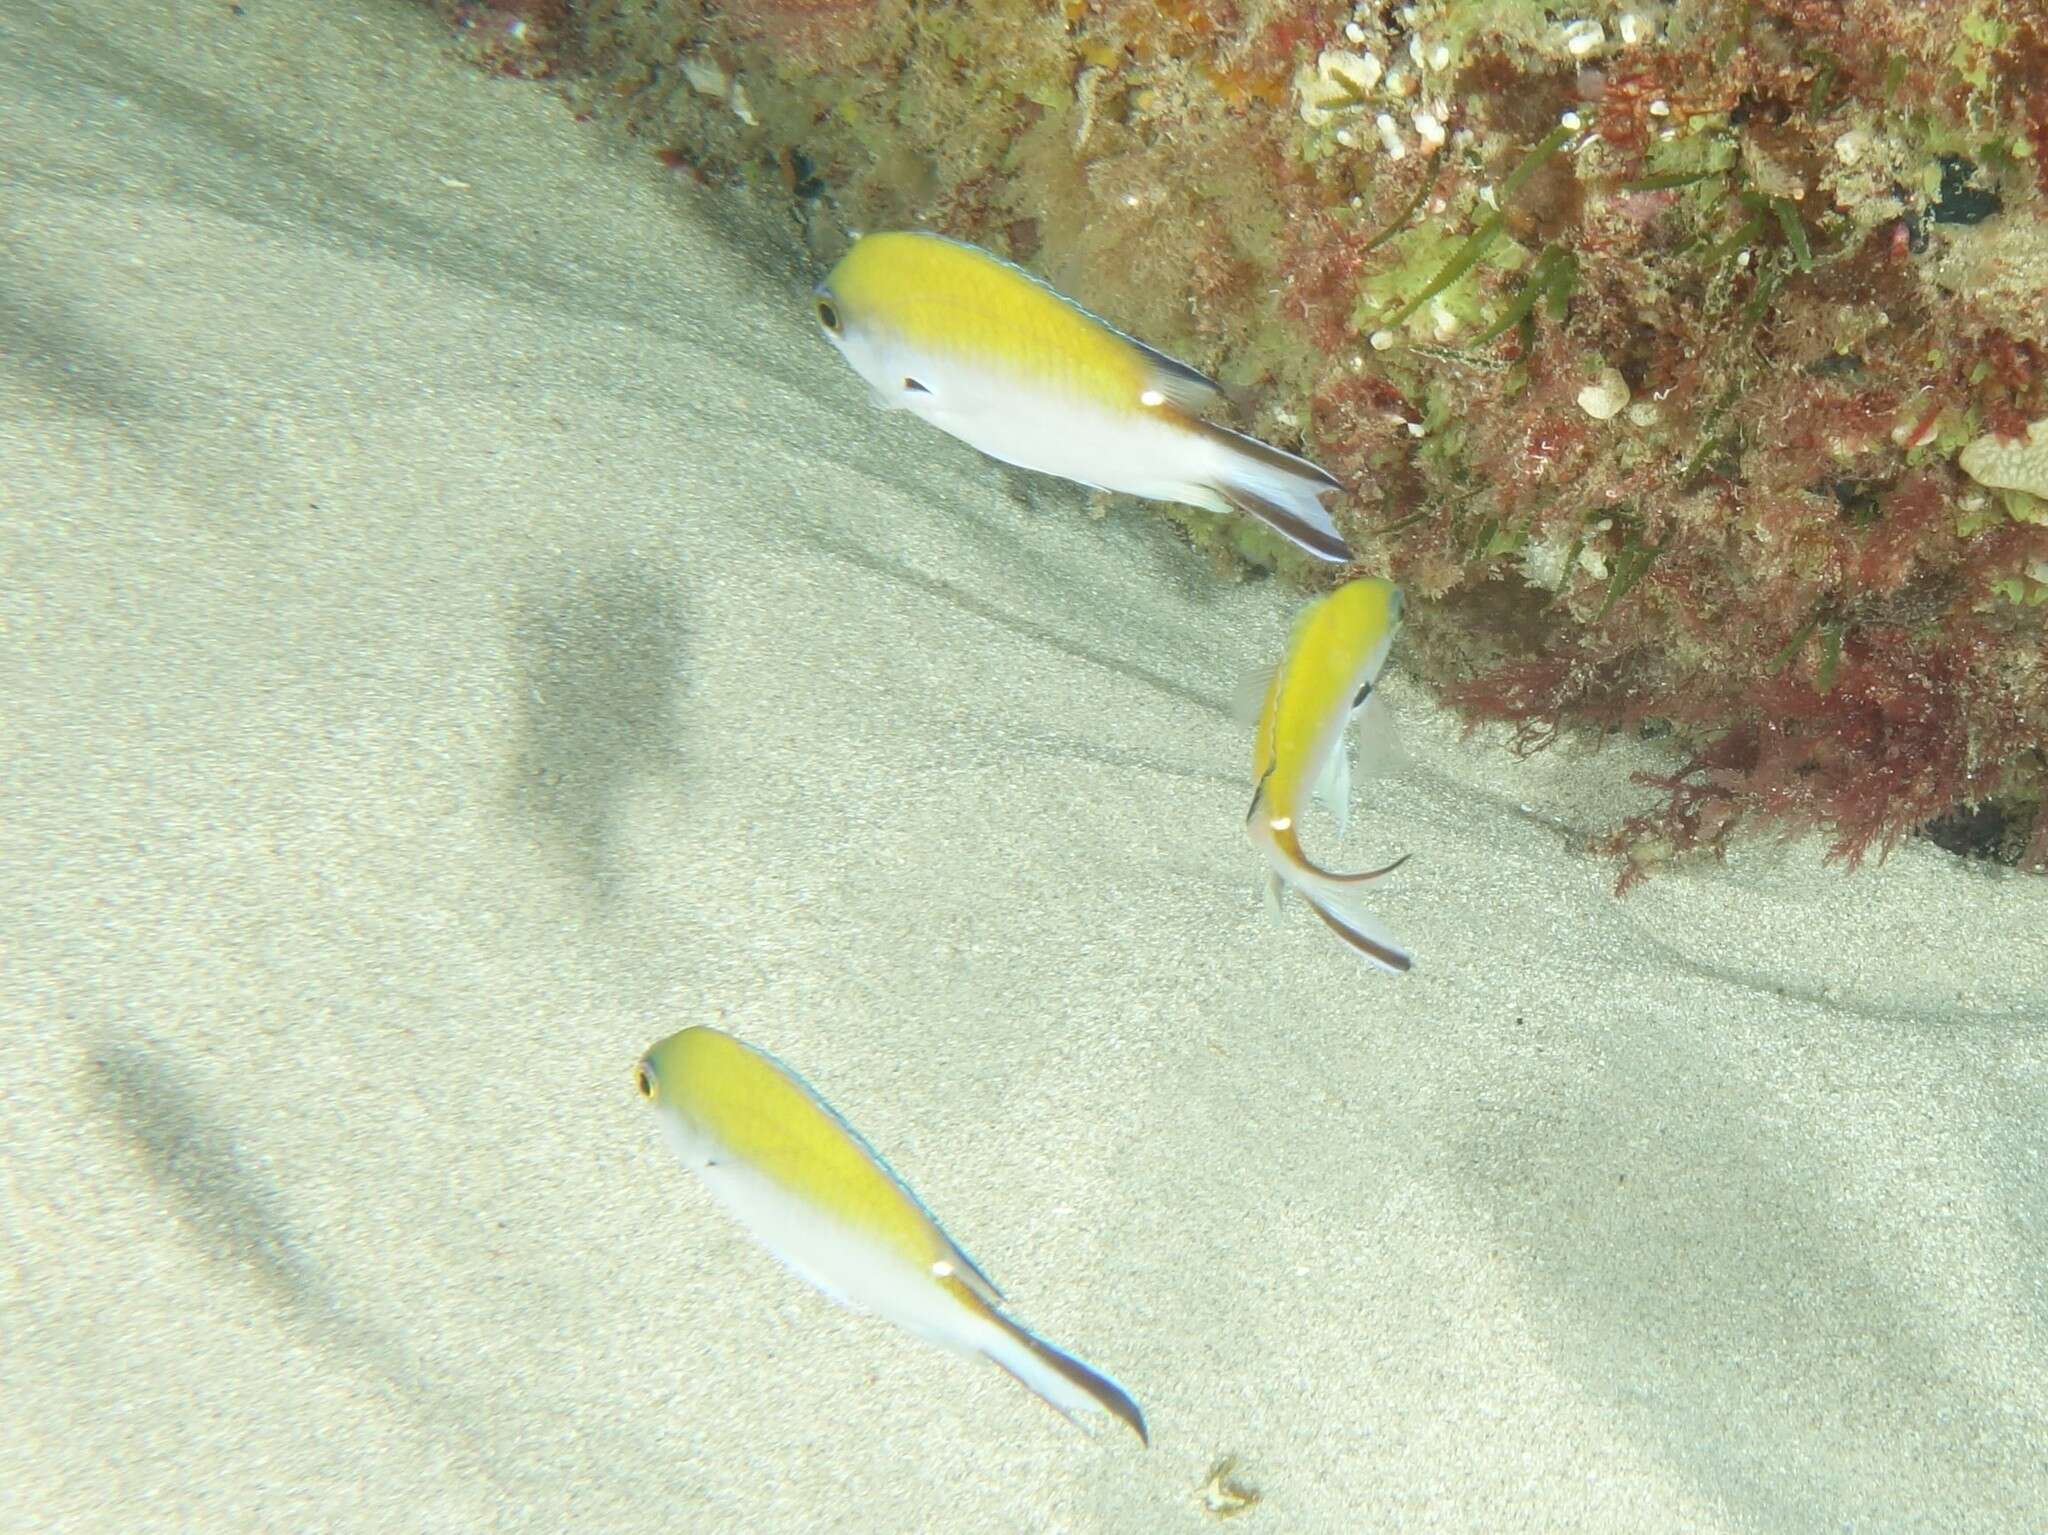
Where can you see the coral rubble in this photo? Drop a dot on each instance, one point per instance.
(1684, 353)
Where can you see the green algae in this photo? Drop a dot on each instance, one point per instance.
(1475, 245)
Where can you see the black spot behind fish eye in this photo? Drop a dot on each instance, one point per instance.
(912, 386)
(828, 315)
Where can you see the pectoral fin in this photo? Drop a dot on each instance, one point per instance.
(1379, 739)
(1248, 698)
(1333, 784)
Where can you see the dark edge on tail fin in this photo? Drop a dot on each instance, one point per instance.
(1272, 457)
(1355, 879)
(1100, 1386)
(1333, 551)
(1393, 959)
(1324, 546)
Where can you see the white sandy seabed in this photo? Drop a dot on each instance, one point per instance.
(461, 624)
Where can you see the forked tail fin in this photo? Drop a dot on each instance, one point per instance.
(1334, 897)
(1059, 1378)
(1341, 913)
(1280, 490)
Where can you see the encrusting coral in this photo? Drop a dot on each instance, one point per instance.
(1683, 355)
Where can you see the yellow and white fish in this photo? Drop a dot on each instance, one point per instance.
(982, 349)
(815, 1194)
(1334, 656)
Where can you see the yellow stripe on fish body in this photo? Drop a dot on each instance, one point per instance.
(987, 352)
(763, 1115)
(953, 300)
(1335, 653)
(811, 1190)
(1336, 648)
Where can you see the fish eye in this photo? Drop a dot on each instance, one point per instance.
(828, 315)
(643, 1079)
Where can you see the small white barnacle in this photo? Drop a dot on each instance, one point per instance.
(704, 75)
(1339, 81)
(1606, 396)
(1581, 37)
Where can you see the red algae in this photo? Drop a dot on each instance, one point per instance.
(1648, 341)
(526, 39)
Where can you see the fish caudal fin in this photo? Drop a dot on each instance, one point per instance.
(1058, 1378)
(1336, 899)
(1342, 914)
(1280, 490)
